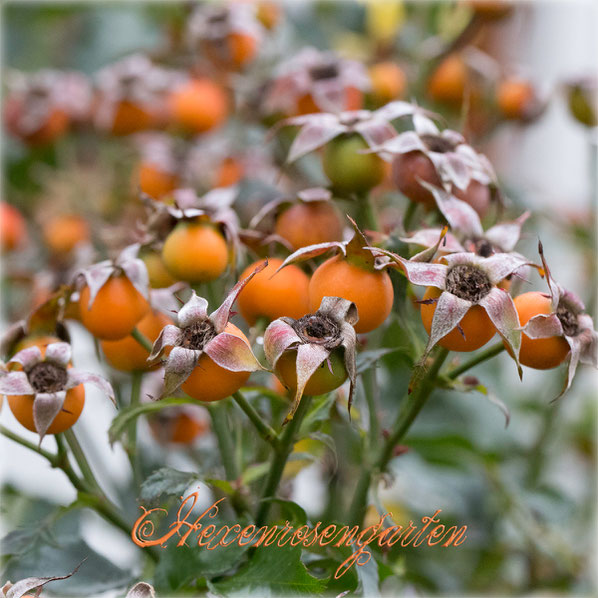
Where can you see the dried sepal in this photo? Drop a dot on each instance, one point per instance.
(427, 255)
(46, 406)
(309, 195)
(24, 586)
(459, 214)
(13, 334)
(428, 237)
(323, 75)
(232, 353)
(141, 590)
(467, 234)
(214, 23)
(543, 326)
(58, 353)
(184, 204)
(179, 365)
(419, 273)
(356, 250)
(221, 316)
(309, 359)
(169, 336)
(126, 263)
(15, 383)
(27, 357)
(455, 162)
(316, 130)
(450, 310)
(195, 309)
(165, 299)
(502, 313)
(278, 337)
(76, 377)
(505, 235)
(310, 251)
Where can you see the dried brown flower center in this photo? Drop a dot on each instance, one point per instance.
(324, 71)
(468, 282)
(197, 335)
(438, 144)
(47, 377)
(318, 329)
(568, 319)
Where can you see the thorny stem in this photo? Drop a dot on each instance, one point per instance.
(81, 460)
(281, 454)
(133, 456)
(222, 430)
(411, 406)
(483, 356)
(264, 430)
(368, 381)
(537, 453)
(93, 496)
(365, 213)
(409, 214)
(16, 438)
(142, 340)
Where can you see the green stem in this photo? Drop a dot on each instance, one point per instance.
(366, 213)
(537, 453)
(409, 214)
(16, 438)
(264, 430)
(222, 430)
(368, 381)
(133, 456)
(281, 454)
(94, 497)
(411, 406)
(81, 460)
(483, 356)
(142, 340)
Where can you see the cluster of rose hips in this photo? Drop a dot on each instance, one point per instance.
(187, 244)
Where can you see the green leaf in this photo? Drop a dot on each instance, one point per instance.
(319, 411)
(495, 401)
(96, 575)
(329, 442)
(449, 450)
(368, 576)
(223, 485)
(180, 567)
(255, 472)
(166, 481)
(126, 416)
(263, 391)
(272, 571)
(293, 511)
